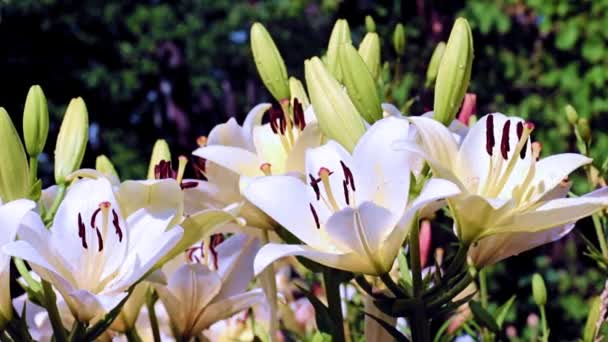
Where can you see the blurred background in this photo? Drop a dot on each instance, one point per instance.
(173, 69)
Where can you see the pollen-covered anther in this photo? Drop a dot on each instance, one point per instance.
(504, 143)
(348, 176)
(314, 215)
(314, 184)
(298, 115)
(490, 142)
(116, 223)
(266, 168)
(82, 232)
(202, 141)
(536, 148)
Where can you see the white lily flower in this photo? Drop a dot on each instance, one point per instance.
(92, 253)
(505, 190)
(198, 295)
(11, 216)
(234, 154)
(354, 213)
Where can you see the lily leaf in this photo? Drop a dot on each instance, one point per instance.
(503, 310)
(483, 317)
(396, 334)
(322, 316)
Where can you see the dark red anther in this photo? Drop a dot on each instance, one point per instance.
(272, 119)
(520, 132)
(490, 134)
(504, 143)
(348, 175)
(99, 240)
(314, 215)
(298, 115)
(216, 239)
(93, 217)
(314, 183)
(82, 232)
(188, 185)
(346, 196)
(116, 223)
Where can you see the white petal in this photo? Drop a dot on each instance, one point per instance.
(235, 264)
(382, 171)
(269, 148)
(11, 215)
(309, 138)
(223, 309)
(495, 248)
(287, 200)
(254, 118)
(162, 198)
(437, 141)
(230, 134)
(348, 261)
(389, 109)
(236, 159)
(552, 170)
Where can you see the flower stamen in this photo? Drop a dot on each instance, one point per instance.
(266, 168)
(314, 215)
(324, 174)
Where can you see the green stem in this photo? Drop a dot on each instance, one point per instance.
(61, 189)
(150, 301)
(77, 332)
(51, 307)
(543, 322)
(270, 288)
(4, 337)
(395, 289)
(420, 325)
(33, 169)
(599, 230)
(334, 304)
(132, 335)
(483, 288)
(458, 262)
(32, 283)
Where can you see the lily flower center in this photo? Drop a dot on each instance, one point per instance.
(328, 198)
(283, 124)
(204, 252)
(499, 172)
(100, 230)
(163, 170)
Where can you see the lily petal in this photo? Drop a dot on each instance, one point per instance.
(436, 140)
(225, 308)
(550, 171)
(309, 138)
(235, 159)
(235, 264)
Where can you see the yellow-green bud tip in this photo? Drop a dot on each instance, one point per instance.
(160, 152)
(104, 165)
(571, 114)
(431, 72)
(269, 62)
(399, 39)
(72, 140)
(340, 34)
(539, 291)
(14, 172)
(369, 49)
(454, 72)
(35, 121)
(370, 24)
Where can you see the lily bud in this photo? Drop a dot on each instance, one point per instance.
(35, 121)
(399, 39)
(370, 24)
(369, 49)
(269, 62)
(160, 152)
(296, 88)
(72, 140)
(104, 165)
(360, 84)
(14, 172)
(584, 129)
(340, 34)
(454, 72)
(431, 71)
(571, 114)
(337, 116)
(539, 291)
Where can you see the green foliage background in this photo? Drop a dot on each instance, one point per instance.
(531, 59)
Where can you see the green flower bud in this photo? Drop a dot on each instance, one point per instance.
(14, 172)
(269, 62)
(454, 72)
(72, 140)
(431, 72)
(369, 49)
(360, 84)
(160, 152)
(571, 114)
(337, 116)
(370, 24)
(399, 39)
(339, 35)
(584, 129)
(35, 121)
(296, 88)
(104, 165)
(539, 291)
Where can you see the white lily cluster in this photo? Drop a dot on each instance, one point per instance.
(340, 180)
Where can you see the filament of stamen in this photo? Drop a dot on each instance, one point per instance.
(324, 174)
(181, 168)
(528, 128)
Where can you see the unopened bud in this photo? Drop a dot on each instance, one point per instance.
(370, 24)
(104, 165)
(431, 71)
(340, 34)
(72, 140)
(369, 49)
(360, 84)
(454, 72)
(296, 88)
(160, 152)
(584, 129)
(399, 39)
(539, 291)
(35, 121)
(269, 62)
(337, 116)
(571, 114)
(14, 173)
